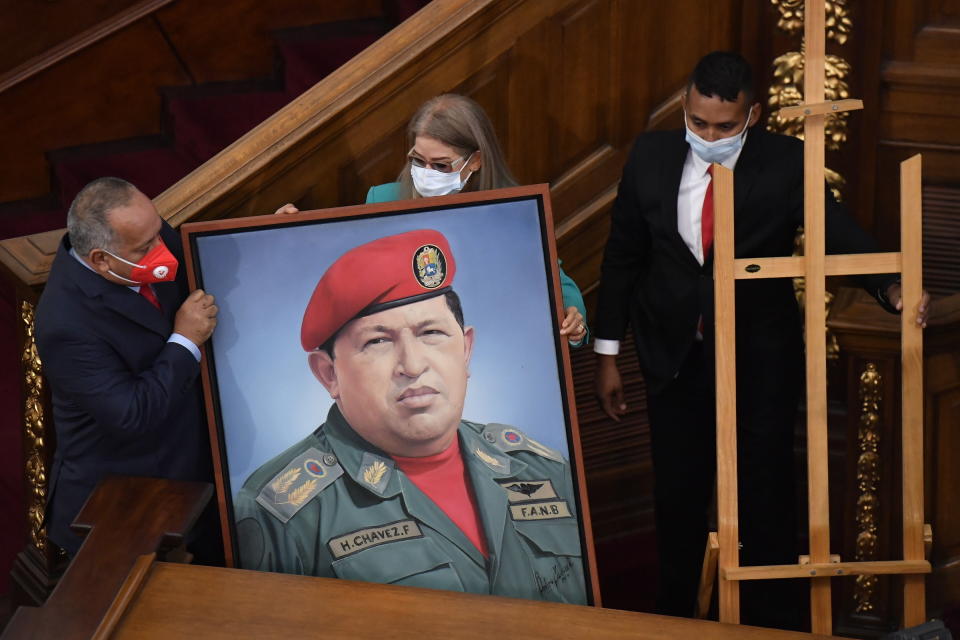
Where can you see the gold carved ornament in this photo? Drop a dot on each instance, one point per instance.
(786, 90)
(868, 483)
(34, 431)
(838, 21)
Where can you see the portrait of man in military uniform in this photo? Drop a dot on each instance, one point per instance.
(397, 485)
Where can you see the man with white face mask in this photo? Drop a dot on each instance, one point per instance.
(657, 276)
(119, 336)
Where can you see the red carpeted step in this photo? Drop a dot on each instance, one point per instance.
(26, 217)
(309, 54)
(152, 165)
(204, 121)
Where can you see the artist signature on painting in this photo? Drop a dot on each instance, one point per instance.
(561, 573)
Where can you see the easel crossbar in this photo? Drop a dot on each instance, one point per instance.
(820, 108)
(826, 569)
(834, 265)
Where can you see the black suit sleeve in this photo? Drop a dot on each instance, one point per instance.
(626, 253)
(842, 233)
(93, 379)
(844, 236)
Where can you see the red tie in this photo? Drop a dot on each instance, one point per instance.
(706, 227)
(706, 216)
(147, 292)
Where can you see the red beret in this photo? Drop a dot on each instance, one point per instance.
(381, 274)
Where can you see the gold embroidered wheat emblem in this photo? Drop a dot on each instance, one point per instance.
(281, 484)
(301, 493)
(373, 473)
(487, 458)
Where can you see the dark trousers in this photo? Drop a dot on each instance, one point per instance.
(682, 423)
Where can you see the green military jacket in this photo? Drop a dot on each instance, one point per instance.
(334, 505)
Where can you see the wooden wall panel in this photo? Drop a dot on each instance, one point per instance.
(941, 240)
(942, 422)
(28, 29)
(920, 101)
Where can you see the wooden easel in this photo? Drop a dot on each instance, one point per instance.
(820, 566)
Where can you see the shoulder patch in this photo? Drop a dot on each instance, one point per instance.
(510, 439)
(303, 478)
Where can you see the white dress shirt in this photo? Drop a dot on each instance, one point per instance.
(693, 188)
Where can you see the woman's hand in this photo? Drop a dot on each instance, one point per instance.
(573, 326)
(286, 209)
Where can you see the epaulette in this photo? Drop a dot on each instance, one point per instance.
(510, 439)
(307, 475)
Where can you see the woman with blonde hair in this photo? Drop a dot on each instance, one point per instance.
(454, 149)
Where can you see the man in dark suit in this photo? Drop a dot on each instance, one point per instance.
(657, 276)
(118, 337)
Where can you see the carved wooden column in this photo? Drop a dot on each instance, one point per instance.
(869, 340)
(26, 261)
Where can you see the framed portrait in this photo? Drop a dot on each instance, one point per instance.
(389, 398)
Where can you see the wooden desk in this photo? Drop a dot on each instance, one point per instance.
(115, 588)
(181, 601)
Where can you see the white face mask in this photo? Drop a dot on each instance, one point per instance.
(430, 182)
(717, 150)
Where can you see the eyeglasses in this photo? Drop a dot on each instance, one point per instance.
(442, 167)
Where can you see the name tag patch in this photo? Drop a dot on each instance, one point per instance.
(547, 510)
(528, 490)
(361, 539)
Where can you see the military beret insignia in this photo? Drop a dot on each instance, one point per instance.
(376, 276)
(430, 266)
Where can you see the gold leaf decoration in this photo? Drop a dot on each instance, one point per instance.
(373, 474)
(488, 458)
(301, 493)
(35, 430)
(786, 90)
(838, 23)
(868, 483)
(281, 484)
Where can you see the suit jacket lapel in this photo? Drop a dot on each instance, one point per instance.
(114, 296)
(672, 172)
(168, 293)
(136, 308)
(748, 169)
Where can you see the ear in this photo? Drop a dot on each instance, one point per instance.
(476, 161)
(97, 259)
(754, 115)
(468, 336)
(321, 364)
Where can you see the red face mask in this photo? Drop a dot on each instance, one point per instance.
(158, 265)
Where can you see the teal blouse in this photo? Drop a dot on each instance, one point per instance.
(571, 292)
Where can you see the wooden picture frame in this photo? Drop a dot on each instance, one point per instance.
(262, 397)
